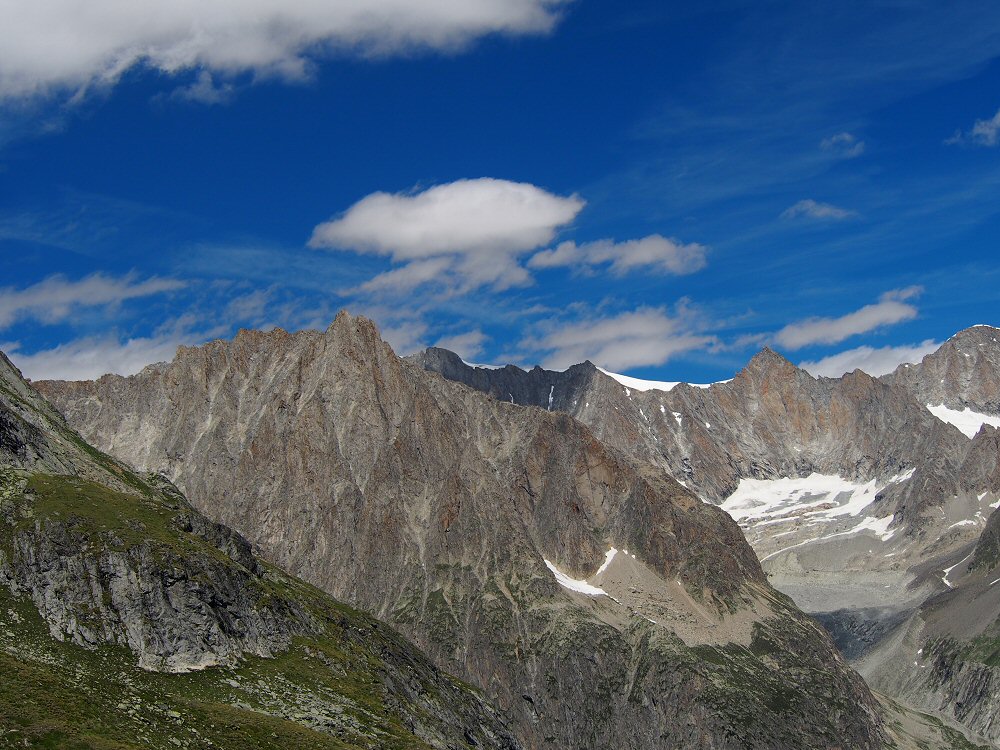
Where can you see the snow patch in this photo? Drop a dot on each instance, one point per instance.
(828, 495)
(573, 584)
(966, 522)
(608, 557)
(638, 384)
(968, 421)
(479, 366)
(817, 499)
(946, 571)
(879, 525)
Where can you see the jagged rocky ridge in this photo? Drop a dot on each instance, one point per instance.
(904, 494)
(449, 513)
(102, 569)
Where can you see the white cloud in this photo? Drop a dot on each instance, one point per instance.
(51, 45)
(983, 133)
(89, 358)
(844, 145)
(891, 308)
(646, 336)
(56, 298)
(653, 253)
(405, 337)
(874, 361)
(468, 345)
(483, 215)
(463, 235)
(815, 210)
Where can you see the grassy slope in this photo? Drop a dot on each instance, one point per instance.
(327, 691)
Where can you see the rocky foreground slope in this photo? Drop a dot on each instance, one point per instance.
(598, 601)
(102, 570)
(863, 497)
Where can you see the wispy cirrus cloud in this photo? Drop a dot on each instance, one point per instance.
(811, 209)
(461, 235)
(55, 299)
(982, 133)
(844, 145)
(652, 254)
(892, 307)
(63, 45)
(875, 361)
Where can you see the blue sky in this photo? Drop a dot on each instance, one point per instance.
(659, 189)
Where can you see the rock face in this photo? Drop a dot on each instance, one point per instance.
(107, 559)
(771, 420)
(599, 602)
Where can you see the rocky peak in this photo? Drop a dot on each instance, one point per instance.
(768, 364)
(964, 373)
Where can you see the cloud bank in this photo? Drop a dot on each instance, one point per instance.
(53, 45)
(91, 357)
(891, 308)
(643, 337)
(874, 361)
(464, 234)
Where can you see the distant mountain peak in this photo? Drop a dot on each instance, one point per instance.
(769, 361)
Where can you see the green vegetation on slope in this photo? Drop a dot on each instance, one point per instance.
(346, 681)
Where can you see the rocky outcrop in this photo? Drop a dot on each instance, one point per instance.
(176, 609)
(465, 520)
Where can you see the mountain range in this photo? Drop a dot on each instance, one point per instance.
(552, 538)
(870, 501)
